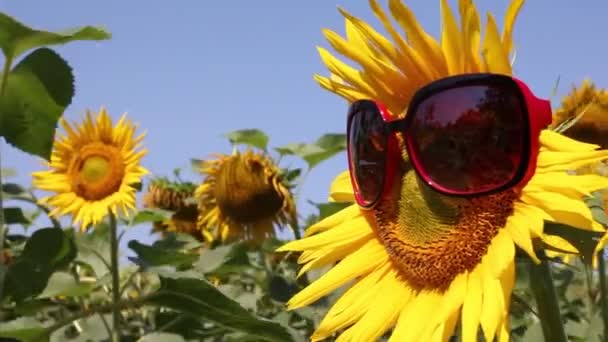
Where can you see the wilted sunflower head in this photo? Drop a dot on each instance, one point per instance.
(243, 196)
(94, 168)
(443, 260)
(166, 194)
(586, 107)
(175, 196)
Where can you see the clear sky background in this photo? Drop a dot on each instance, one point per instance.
(190, 71)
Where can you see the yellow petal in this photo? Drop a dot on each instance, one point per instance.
(363, 261)
(341, 189)
(417, 36)
(471, 309)
(349, 93)
(507, 34)
(559, 142)
(451, 41)
(414, 319)
(383, 314)
(352, 305)
(559, 243)
(343, 215)
(562, 209)
(471, 36)
(520, 233)
(492, 308)
(494, 54)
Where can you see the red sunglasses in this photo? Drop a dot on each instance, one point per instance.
(467, 135)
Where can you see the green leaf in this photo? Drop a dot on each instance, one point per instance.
(23, 329)
(188, 326)
(324, 148)
(93, 329)
(201, 299)
(39, 89)
(330, 208)
(211, 259)
(14, 215)
(332, 141)
(224, 260)
(196, 164)
(291, 175)
(150, 215)
(585, 241)
(158, 254)
(47, 250)
(8, 172)
(161, 337)
(16, 38)
(64, 284)
(12, 188)
(94, 249)
(251, 137)
(280, 289)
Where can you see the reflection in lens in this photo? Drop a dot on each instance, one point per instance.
(469, 139)
(367, 145)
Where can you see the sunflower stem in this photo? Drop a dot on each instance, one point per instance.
(541, 283)
(115, 278)
(8, 61)
(603, 291)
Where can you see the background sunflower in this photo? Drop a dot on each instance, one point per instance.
(94, 169)
(243, 196)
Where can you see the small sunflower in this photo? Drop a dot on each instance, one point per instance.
(591, 104)
(175, 196)
(243, 196)
(420, 263)
(93, 169)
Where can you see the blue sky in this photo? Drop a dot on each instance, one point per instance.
(190, 71)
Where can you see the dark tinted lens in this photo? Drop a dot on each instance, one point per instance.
(469, 139)
(367, 150)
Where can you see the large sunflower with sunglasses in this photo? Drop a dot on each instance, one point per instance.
(448, 176)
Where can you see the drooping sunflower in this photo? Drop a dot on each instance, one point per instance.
(583, 115)
(420, 262)
(591, 104)
(243, 196)
(177, 197)
(94, 168)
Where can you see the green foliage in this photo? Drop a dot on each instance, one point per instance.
(37, 92)
(199, 298)
(16, 38)
(322, 149)
(46, 251)
(250, 137)
(14, 215)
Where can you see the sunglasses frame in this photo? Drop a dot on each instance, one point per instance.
(536, 116)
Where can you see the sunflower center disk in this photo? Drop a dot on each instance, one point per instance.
(433, 238)
(96, 171)
(244, 191)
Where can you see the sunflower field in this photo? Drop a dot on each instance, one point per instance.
(523, 264)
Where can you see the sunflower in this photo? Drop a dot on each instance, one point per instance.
(177, 197)
(93, 169)
(587, 108)
(420, 263)
(243, 196)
